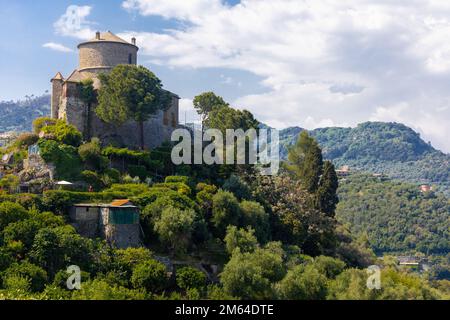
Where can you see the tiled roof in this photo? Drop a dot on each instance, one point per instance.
(119, 203)
(58, 76)
(76, 76)
(108, 36)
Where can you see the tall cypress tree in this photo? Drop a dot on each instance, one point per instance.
(326, 196)
(305, 161)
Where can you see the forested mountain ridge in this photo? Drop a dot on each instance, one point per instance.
(19, 115)
(392, 149)
(395, 216)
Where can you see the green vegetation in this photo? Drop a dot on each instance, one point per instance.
(130, 93)
(269, 237)
(396, 217)
(376, 147)
(19, 115)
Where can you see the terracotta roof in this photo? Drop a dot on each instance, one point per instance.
(58, 76)
(75, 76)
(108, 36)
(119, 203)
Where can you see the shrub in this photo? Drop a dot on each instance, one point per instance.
(150, 275)
(179, 187)
(91, 154)
(93, 179)
(11, 212)
(204, 197)
(6, 259)
(175, 228)
(303, 283)
(23, 231)
(250, 275)
(190, 278)
(29, 201)
(17, 283)
(60, 201)
(127, 259)
(26, 140)
(238, 187)
(102, 290)
(53, 248)
(138, 171)
(240, 238)
(254, 215)
(10, 183)
(113, 174)
(225, 212)
(64, 157)
(176, 179)
(36, 275)
(328, 266)
(150, 196)
(64, 133)
(40, 123)
(130, 189)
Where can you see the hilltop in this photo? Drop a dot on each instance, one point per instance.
(395, 216)
(19, 115)
(392, 149)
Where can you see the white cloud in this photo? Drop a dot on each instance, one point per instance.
(188, 113)
(323, 62)
(73, 23)
(192, 10)
(57, 47)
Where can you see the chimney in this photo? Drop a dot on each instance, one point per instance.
(133, 41)
(97, 35)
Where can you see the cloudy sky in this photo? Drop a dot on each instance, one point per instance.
(292, 63)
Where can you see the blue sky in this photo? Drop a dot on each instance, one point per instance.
(291, 62)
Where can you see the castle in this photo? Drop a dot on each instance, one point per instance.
(101, 55)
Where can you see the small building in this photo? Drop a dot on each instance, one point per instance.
(343, 171)
(117, 222)
(414, 263)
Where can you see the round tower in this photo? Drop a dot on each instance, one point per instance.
(104, 52)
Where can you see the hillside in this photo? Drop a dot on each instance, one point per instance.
(396, 216)
(389, 148)
(19, 115)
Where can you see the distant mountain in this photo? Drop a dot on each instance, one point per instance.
(395, 216)
(392, 149)
(19, 115)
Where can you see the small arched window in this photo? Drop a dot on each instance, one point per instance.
(130, 58)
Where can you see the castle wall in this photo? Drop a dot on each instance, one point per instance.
(97, 57)
(85, 220)
(106, 54)
(57, 90)
(74, 111)
(127, 135)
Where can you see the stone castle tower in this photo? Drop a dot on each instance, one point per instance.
(101, 55)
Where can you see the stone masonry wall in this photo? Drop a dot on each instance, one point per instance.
(57, 89)
(106, 54)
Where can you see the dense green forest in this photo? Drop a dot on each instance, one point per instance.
(19, 115)
(396, 217)
(388, 148)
